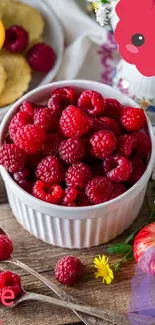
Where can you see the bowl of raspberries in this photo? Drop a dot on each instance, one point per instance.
(76, 157)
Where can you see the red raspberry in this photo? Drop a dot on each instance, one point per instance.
(50, 170)
(99, 189)
(12, 157)
(51, 144)
(78, 175)
(118, 168)
(28, 108)
(111, 124)
(48, 193)
(23, 179)
(113, 109)
(30, 138)
(41, 57)
(16, 39)
(6, 247)
(92, 103)
(69, 196)
(118, 190)
(126, 144)
(68, 92)
(143, 143)
(33, 160)
(45, 118)
(69, 270)
(138, 169)
(133, 119)
(74, 122)
(19, 120)
(72, 150)
(58, 102)
(10, 281)
(103, 144)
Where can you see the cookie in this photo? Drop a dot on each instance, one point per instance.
(18, 77)
(17, 13)
(3, 77)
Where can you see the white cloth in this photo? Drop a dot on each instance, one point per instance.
(83, 37)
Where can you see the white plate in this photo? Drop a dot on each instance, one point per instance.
(53, 35)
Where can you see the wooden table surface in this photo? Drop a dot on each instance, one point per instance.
(43, 257)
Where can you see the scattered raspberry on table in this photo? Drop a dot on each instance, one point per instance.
(6, 247)
(69, 270)
(79, 149)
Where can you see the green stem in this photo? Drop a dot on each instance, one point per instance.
(123, 258)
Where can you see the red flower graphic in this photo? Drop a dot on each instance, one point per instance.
(135, 34)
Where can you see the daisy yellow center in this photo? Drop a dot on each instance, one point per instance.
(95, 5)
(103, 270)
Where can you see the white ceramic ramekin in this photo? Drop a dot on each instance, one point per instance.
(82, 226)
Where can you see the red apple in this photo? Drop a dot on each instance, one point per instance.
(144, 249)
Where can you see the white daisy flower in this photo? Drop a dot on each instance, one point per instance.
(102, 11)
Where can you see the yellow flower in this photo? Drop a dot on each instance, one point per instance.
(103, 269)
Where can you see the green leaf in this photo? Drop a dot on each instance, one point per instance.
(105, 1)
(119, 249)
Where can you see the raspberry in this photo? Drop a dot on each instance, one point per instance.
(111, 124)
(118, 168)
(51, 144)
(92, 103)
(74, 122)
(126, 144)
(10, 281)
(103, 144)
(23, 179)
(138, 169)
(19, 120)
(69, 270)
(113, 109)
(33, 160)
(30, 138)
(45, 118)
(133, 119)
(68, 92)
(28, 108)
(16, 39)
(69, 197)
(78, 175)
(72, 150)
(6, 247)
(48, 193)
(58, 102)
(99, 189)
(12, 157)
(143, 143)
(118, 190)
(61, 99)
(50, 170)
(41, 57)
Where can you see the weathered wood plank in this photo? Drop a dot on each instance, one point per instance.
(43, 257)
